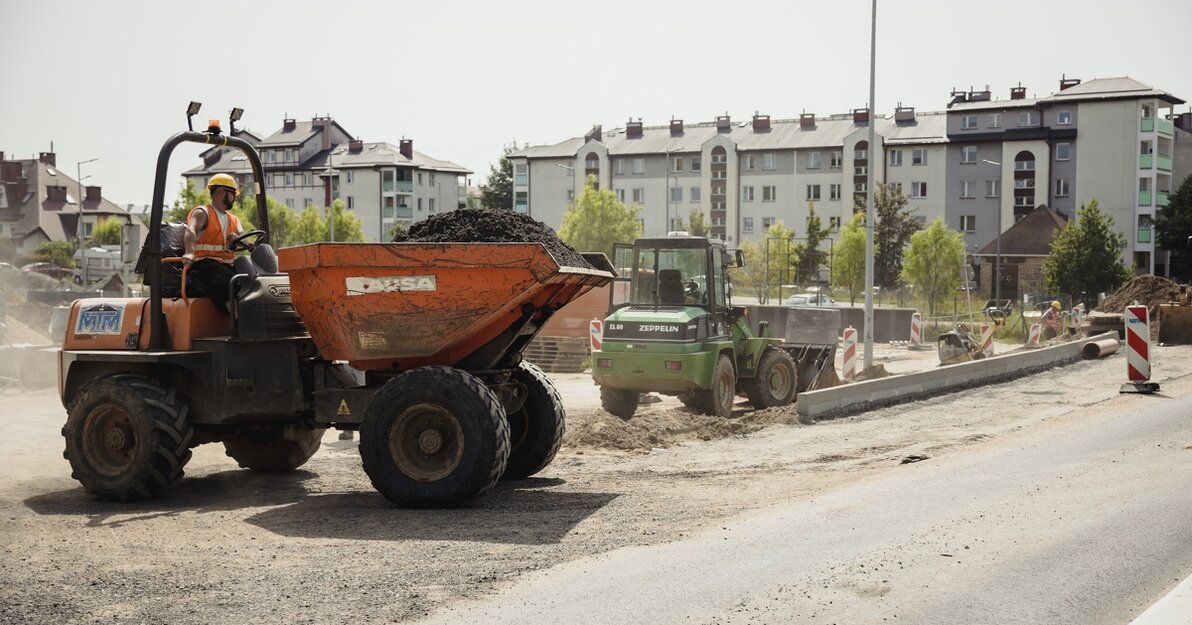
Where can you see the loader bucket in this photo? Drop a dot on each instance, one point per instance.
(1175, 324)
(396, 306)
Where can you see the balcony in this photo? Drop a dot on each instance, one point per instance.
(1144, 198)
(1146, 161)
(404, 212)
(1163, 162)
(1147, 124)
(1144, 234)
(1161, 199)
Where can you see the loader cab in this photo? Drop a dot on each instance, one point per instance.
(673, 272)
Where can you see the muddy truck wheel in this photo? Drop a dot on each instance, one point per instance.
(536, 430)
(273, 449)
(775, 382)
(718, 400)
(618, 402)
(434, 437)
(127, 438)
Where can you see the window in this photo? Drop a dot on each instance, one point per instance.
(813, 160)
(694, 195)
(272, 156)
(621, 195)
(1061, 187)
(419, 178)
(718, 158)
(570, 195)
(290, 203)
(521, 175)
(894, 187)
(918, 189)
(748, 161)
(769, 193)
(420, 204)
(861, 154)
(430, 204)
(769, 162)
(813, 192)
(837, 160)
(993, 188)
(308, 202)
(279, 180)
(349, 175)
(1063, 151)
(676, 194)
(834, 223)
(833, 192)
(639, 165)
(861, 170)
(351, 202)
(859, 187)
(677, 163)
(746, 194)
(767, 222)
(639, 196)
(968, 154)
(967, 187)
(619, 167)
(968, 122)
(1028, 118)
(968, 223)
(747, 225)
(719, 175)
(695, 163)
(919, 156)
(895, 158)
(308, 179)
(289, 180)
(1063, 118)
(994, 120)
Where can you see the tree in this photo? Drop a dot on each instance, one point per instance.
(848, 257)
(188, 198)
(1173, 224)
(498, 192)
(932, 261)
(811, 257)
(107, 232)
(309, 227)
(347, 225)
(60, 253)
(753, 275)
(281, 218)
(782, 253)
(891, 232)
(1086, 256)
(696, 225)
(596, 220)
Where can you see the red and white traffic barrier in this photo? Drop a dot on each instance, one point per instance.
(1033, 339)
(987, 339)
(849, 365)
(595, 333)
(1077, 316)
(916, 331)
(1138, 351)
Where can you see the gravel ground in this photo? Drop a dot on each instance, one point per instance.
(320, 546)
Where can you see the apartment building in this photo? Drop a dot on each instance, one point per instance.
(743, 176)
(312, 163)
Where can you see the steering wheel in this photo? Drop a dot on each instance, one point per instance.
(691, 287)
(240, 242)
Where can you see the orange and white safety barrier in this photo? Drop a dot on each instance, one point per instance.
(987, 339)
(1077, 316)
(1032, 339)
(1138, 351)
(849, 365)
(595, 333)
(916, 331)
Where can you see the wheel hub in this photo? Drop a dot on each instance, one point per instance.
(116, 439)
(430, 441)
(426, 442)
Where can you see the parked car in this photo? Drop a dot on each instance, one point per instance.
(47, 269)
(809, 299)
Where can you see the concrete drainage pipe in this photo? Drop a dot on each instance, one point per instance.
(1099, 349)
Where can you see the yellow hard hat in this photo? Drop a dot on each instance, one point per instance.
(1056, 304)
(223, 180)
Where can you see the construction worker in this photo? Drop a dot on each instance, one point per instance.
(1051, 321)
(209, 228)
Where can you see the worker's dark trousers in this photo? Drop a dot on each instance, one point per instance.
(212, 278)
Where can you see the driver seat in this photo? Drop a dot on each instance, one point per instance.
(670, 286)
(261, 306)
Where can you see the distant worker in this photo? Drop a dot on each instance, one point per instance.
(1051, 319)
(209, 228)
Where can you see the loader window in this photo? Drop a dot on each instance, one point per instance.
(672, 277)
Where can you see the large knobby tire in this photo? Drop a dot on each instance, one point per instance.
(535, 431)
(127, 438)
(775, 382)
(273, 449)
(619, 402)
(718, 400)
(434, 437)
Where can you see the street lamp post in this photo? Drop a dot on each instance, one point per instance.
(79, 225)
(869, 212)
(997, 263)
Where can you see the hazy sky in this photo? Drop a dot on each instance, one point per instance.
(111, 80)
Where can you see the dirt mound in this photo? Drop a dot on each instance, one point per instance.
(596, 429)
(873, 373)
(491, 226)
(1148, 290)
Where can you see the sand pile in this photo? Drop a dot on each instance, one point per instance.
(1148, 290)
(490, 226)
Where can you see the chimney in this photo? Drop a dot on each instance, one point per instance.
(406, 147)
(10, 171)
(980, 96)
(724, 123)
(288, 125)
(49, 158)
(904, 114)
(212, 157)
(1018, 93)
(761, 123)
(322, 124)
(355, 146)
(1066, 82)
(861, 116)
(676, 127)
(93, 194)
(958, 97)
(56, 193)
(807, 121)
(595, 134)
(633, 129)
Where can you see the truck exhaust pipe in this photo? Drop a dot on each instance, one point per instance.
(1099, 349)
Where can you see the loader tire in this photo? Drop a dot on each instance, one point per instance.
(127, 438)
(619, 402)
(718, 400)
(434, 437)
(535, 431)
(775, 382)
(273, 449)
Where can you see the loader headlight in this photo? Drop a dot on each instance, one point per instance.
(604, 363)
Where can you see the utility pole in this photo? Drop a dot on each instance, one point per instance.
(79, 226)
(869, 212)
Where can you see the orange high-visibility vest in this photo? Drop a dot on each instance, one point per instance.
(213, 242)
